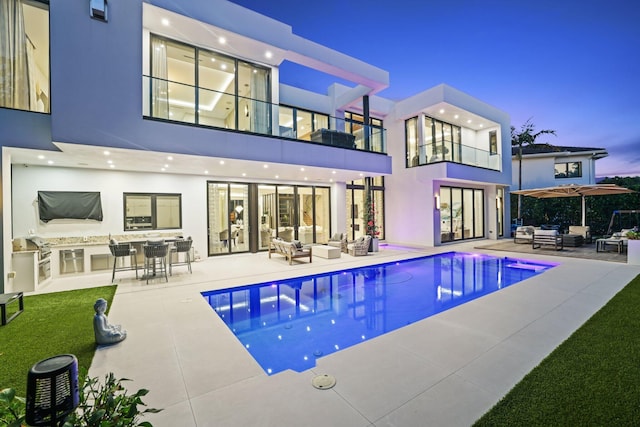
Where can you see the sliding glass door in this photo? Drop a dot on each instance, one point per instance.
(228, 206)
(244, 217)
(461, 213)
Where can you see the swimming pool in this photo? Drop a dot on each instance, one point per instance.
(289, 323)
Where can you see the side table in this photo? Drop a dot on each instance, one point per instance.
(6, 299)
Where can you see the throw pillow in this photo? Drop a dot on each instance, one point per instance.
(298, 244)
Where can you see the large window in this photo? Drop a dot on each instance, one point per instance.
(298, 123)
(219, 91)
(24, 55)
(144, 211)
(461, 213)
(371, 141)
(568, 170)
(440, 142)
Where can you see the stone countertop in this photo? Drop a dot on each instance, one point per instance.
(65, 242)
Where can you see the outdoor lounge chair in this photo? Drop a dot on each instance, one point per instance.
(336, 240)
(360, 246)
(523, 234)
(584, 231)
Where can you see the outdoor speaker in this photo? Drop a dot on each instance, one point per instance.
(52, 390)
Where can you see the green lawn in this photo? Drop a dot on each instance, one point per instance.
(592, 379)
(51, 324)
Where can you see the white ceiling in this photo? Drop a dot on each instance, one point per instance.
(92, 157)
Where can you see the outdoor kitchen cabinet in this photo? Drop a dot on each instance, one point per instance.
(27, 269)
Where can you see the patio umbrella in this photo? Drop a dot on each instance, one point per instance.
(573, 190)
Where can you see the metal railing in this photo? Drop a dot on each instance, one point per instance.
(180, 102)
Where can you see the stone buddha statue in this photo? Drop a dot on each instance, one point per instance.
(104, 332)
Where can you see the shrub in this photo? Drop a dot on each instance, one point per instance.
(106, 404)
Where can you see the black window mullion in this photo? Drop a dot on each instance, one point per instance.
(197, 85)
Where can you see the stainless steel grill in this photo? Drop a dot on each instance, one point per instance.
(42, 246)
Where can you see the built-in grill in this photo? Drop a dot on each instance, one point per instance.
(39, 244)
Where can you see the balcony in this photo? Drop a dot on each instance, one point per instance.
(455, 153)
(183, 103)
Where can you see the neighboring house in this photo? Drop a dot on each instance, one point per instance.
(182, 119)
(546, 165)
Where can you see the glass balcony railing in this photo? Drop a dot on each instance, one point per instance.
(456, 153)
(179, 102)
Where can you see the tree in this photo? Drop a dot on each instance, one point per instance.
(526, 136)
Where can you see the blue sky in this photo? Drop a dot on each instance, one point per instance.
(571, 66)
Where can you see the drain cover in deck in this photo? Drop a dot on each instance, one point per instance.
(323, 382)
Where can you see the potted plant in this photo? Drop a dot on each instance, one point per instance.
(633, 247)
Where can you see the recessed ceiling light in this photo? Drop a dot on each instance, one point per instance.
(469, 121)
(169, 158)
(162, 169)
(456, 116)
(112, 166)
(244, 174)
(305, 178)
(206, 172)
(277, 176)
(50, 162)
(333, 172)
(109, 161)
(106, 152)
(268, 54)
(223, 66)
(301, 169)
(222, 162)
(442, 111)
(166, 166)
(265, 166)
(41, 157)
(481, 125)
(222, 40)
(165, 22)
(361, 174)
(331, 180)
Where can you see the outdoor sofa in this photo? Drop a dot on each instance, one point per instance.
(290, 250)
(547, 238)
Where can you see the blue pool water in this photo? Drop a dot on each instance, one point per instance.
(289, 323)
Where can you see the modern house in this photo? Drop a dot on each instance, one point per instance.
(546, 165)
(134, 119)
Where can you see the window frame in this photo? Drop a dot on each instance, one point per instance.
(567, 174)
(153, 217)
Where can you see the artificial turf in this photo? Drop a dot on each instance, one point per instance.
(51, 324)
(591, 379)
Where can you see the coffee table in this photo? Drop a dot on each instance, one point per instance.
(326, 251)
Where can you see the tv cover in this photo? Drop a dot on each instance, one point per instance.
(69, 205)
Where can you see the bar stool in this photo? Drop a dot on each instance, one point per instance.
(181, 246)
(155, 257)
(121, 250)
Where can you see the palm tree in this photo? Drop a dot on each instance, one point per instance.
(526, 136)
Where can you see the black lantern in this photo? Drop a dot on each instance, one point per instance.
(52, 390)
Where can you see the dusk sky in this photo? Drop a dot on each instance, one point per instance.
(571, 66)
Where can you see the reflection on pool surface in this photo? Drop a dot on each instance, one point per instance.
(289, 323)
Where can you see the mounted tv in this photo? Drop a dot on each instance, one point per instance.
(69, 205)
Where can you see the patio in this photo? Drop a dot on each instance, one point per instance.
(445, 370)
(586, 251)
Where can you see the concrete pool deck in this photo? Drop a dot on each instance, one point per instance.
(448, 369)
